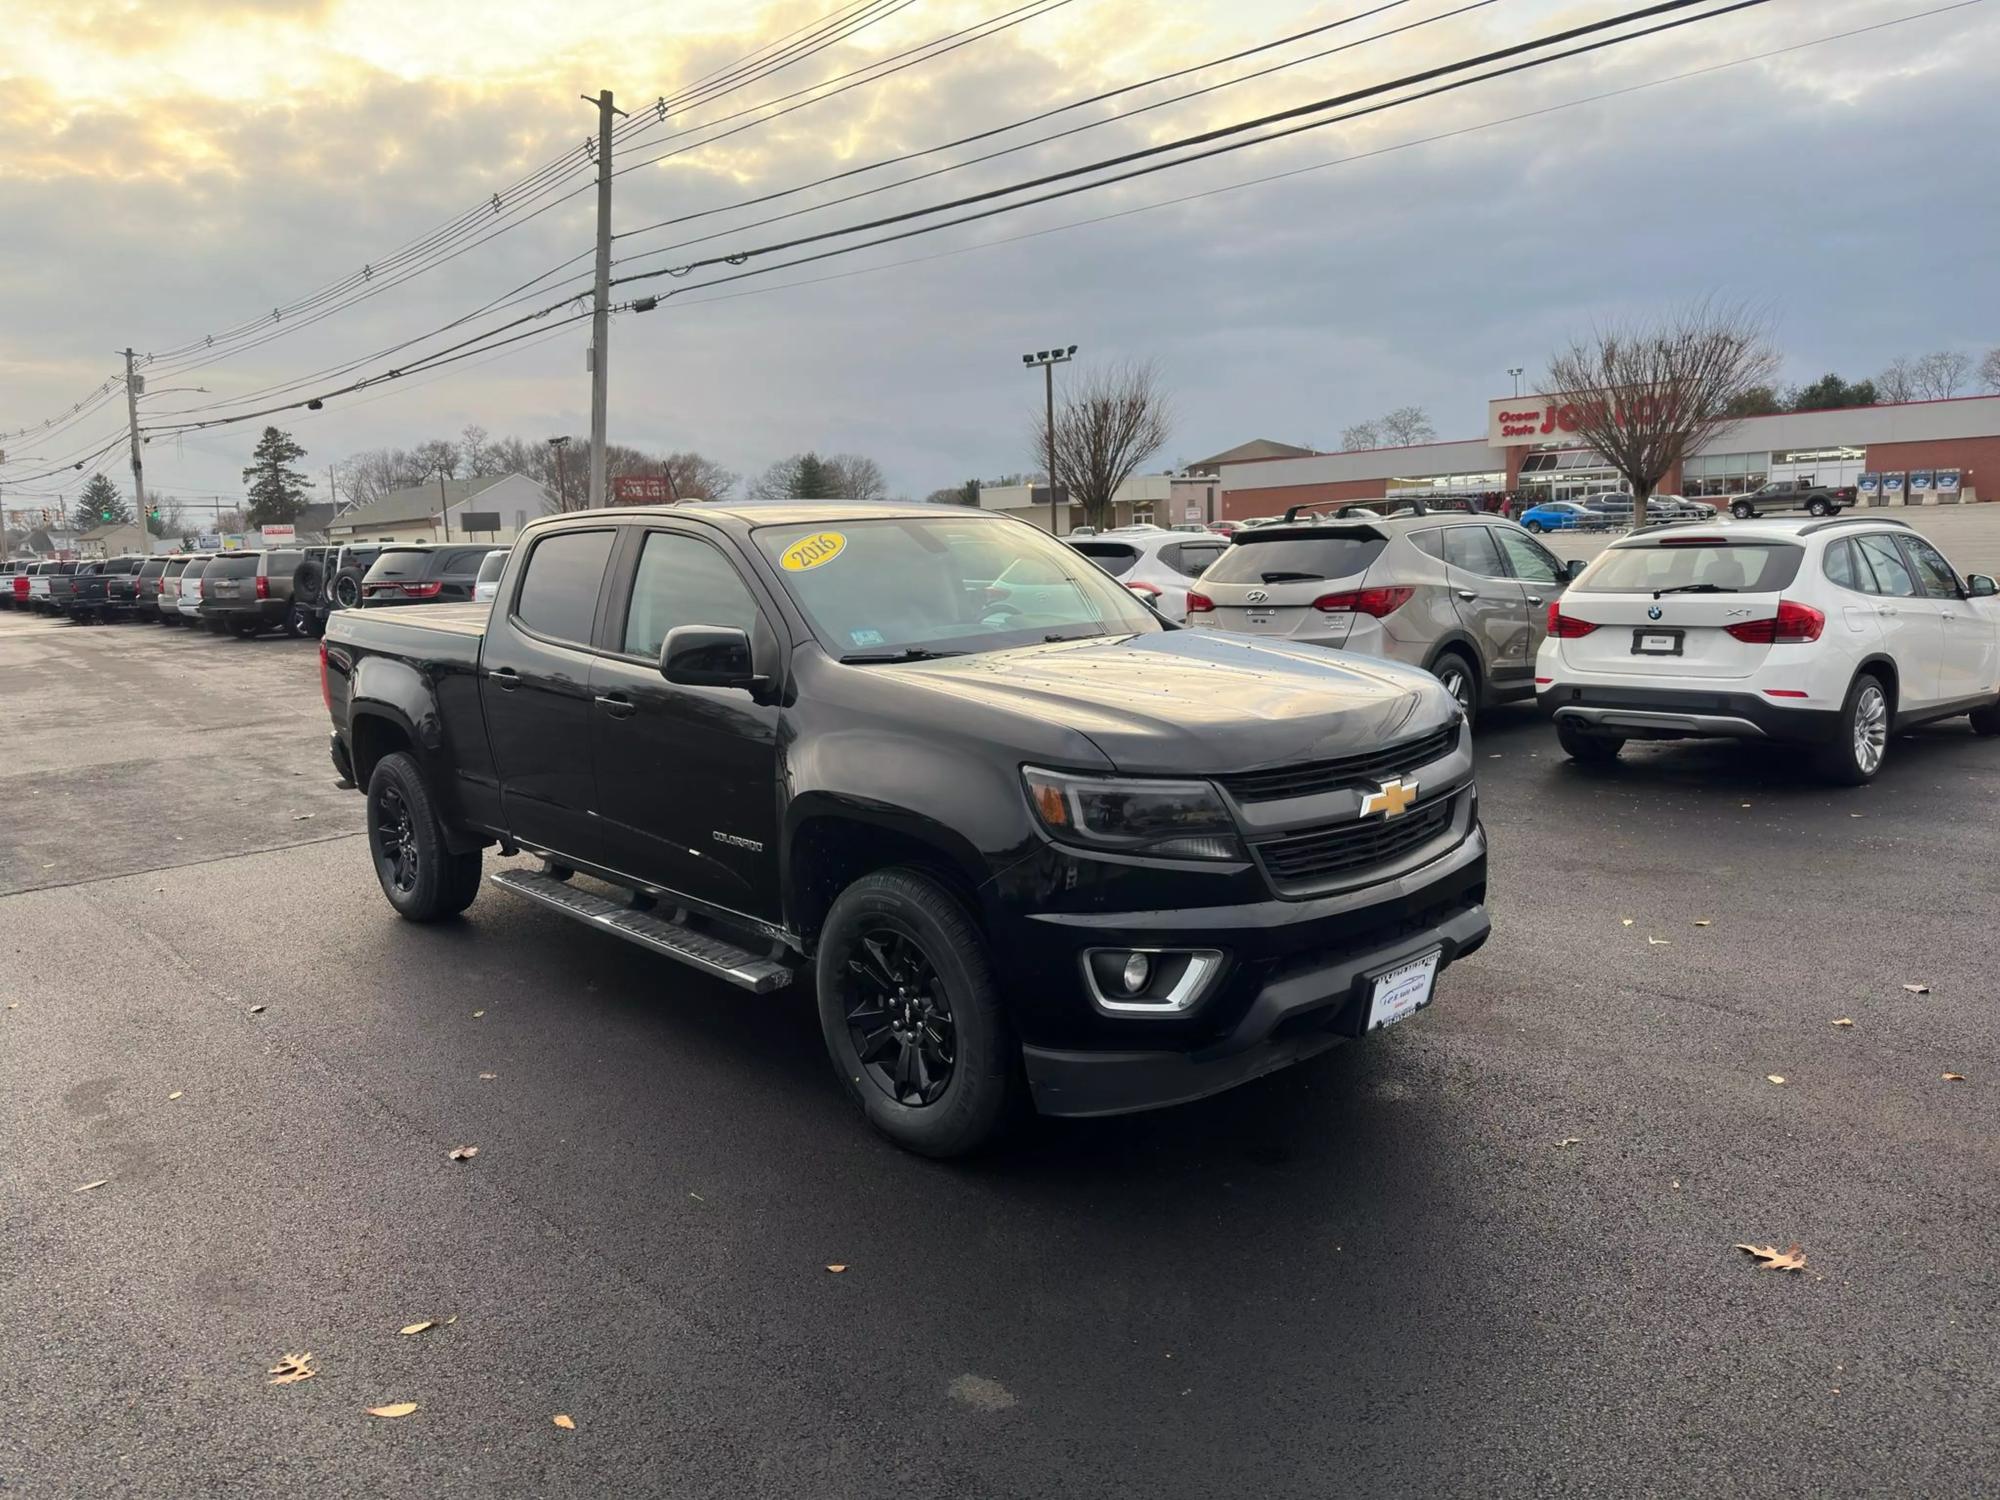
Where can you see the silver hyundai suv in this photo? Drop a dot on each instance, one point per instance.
(1463, 596)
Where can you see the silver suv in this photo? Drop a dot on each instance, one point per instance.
(1465, 597)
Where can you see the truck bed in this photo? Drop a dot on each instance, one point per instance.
(450, 631)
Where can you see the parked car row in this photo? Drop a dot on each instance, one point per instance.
(247, 593)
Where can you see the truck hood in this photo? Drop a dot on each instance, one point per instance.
(1185, 702)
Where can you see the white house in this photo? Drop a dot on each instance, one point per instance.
(437, 511)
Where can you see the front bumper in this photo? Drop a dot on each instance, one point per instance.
(1673, 713)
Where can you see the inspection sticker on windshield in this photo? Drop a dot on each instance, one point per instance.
(1403, 990)
(865, 637)
(814, 551)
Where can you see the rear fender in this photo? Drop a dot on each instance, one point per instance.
(390, 707)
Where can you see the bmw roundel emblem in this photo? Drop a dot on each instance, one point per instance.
(1653, 611)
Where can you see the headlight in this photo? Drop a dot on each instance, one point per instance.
(1164, 819)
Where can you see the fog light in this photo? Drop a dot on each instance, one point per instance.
(1138, 970)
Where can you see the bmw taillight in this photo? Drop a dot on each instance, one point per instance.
(1377, 601)
(1199, 604)
(1566, 627)
(1793, 624)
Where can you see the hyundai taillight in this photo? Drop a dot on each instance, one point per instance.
(1793, 624)
(325, 686)
(1377, 601)
(263, 587)
(1199, 604)
(1566, 627)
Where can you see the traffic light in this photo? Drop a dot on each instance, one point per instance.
(104, 515)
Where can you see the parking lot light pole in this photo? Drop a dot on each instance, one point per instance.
(1048, 359)
(1516, 371)
(557, 444)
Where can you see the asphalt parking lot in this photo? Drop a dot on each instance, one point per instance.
(1487, 1253)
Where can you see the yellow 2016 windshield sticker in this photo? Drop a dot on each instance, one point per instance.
(814, 551)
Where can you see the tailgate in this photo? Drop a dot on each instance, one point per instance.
(1677, 636)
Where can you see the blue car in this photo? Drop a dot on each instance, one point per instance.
(1560, 515)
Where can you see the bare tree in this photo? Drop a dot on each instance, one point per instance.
(473, 449)
(1361, 435)
(1406, 425)
(699, 478)
(1989, 370)
(1942, 374)
(1111, 422)
(436, 456)
(1646, 397)
(1898, 382)
(856, 478)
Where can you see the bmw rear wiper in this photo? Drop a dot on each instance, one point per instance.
(1696, 588)
(913, 653)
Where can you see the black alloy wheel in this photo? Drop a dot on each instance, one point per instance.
(899, 1018)
(395, 851)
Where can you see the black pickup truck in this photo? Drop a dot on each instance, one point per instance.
(1027, 838)
(1792, 494)
(103, 591)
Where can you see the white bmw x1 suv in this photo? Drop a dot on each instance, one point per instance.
(1831, 634)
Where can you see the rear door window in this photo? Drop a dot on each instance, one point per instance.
(1531, 562)
(1885, 563)
(558, 597)
(1116, 558)
(1472, 548)
(1843, 568)
(1295, 558)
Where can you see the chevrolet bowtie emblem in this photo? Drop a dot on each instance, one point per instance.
(1391, 801)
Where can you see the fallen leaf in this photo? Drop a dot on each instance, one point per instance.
(13, 1005)
(562, 1420)
(1948, 1078)
(1624, 921)
(1845, 1021)
(1774, 1077)
(419, 1327)
(1569, 1140)
(462, 1153)
(489, 1076)
(1857, 815)
(1746, 804)
(175, 1095)
(1703, 922)
(1771, 1258)
(256, 1010)
(100, 1183)
(393, 1409)
(477, 1014)
(292, 1376)
(293, 1367)
(1918, 989)
(301, 817)
(836, 1269)
(1653, 942)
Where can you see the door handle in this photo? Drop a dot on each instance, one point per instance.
(618, 705)
(507, 677)
(1468, 595)
(1534, 598)
(1885, 610)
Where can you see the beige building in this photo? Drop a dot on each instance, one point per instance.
(437, 512)
(1158, 499)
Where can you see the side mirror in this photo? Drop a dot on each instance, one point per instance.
(708, 656)
(1573, 567)
(1980, 586)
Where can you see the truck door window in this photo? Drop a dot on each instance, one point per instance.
(682, 581)
(558, 597)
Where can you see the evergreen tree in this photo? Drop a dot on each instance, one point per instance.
(812, 480)
(277, 490)
(100, 503)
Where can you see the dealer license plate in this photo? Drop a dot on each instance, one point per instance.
(1260, 616)
(1403, 990)
(1656, 643)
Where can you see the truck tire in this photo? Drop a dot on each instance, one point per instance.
(1818, 507)
(347, 589)
(308, 578)
(912, 1015)
(1861, 744)
(420, 875)
(1986, 721)
(1743, 510)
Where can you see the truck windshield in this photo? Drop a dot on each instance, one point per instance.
(917, 585)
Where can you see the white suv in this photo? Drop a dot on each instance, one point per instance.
(1156, 564)
(1830, 634)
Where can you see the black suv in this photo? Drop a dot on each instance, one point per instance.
(424, 573)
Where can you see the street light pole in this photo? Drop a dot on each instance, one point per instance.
(1515, 371)
(1048, 359)
(562, 488)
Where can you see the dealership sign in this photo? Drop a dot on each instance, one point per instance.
(1523, 421)
(279, 536)
(641, 489)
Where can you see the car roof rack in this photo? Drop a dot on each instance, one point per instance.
(1811, 527)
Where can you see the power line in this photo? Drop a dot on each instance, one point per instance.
(1044, 140)
(1226, 132)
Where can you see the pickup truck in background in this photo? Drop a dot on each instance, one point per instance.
(1035, 845)
(1792, 494)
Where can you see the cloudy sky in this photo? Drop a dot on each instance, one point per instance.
(173, 171)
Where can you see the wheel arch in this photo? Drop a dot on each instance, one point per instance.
(1884, 667)
(831, 842)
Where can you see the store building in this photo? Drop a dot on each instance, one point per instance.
(1919, 452)
(1144, 499)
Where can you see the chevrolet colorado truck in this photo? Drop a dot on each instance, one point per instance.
(1028, 841)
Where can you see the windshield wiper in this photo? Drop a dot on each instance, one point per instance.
(1695, 588)
(912, 653)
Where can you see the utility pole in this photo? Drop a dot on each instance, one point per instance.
(600, 314)
(1048, 359)
(444, 505)
(333, 486)
(562, 487)
(132, 384)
